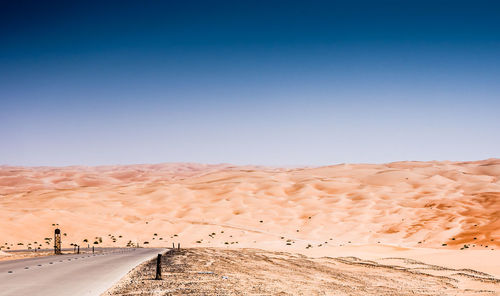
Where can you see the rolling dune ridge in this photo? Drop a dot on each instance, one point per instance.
(359, 208)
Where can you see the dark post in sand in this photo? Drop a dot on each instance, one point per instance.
(158, 267)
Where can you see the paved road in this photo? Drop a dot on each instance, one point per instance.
(83, 274)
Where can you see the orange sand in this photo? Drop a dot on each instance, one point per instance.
(368, 210)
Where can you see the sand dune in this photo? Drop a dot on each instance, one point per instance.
(437, 206)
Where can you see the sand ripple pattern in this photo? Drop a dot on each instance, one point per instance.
(203, 271)
(405, 203)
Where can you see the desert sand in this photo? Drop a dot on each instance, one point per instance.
(207, 271)
(4, 254)
(444, 213)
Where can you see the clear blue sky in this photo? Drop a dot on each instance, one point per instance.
(248, 82)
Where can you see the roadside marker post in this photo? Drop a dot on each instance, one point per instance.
(158, 267)
(178, 246)
(57, 241)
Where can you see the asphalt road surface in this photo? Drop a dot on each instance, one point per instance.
(83, 274)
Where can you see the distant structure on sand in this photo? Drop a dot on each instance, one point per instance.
(57, 241)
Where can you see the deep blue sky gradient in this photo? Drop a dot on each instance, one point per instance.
(248, 82)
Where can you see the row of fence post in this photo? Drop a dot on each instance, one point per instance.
(158, 261)
(178, 246)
